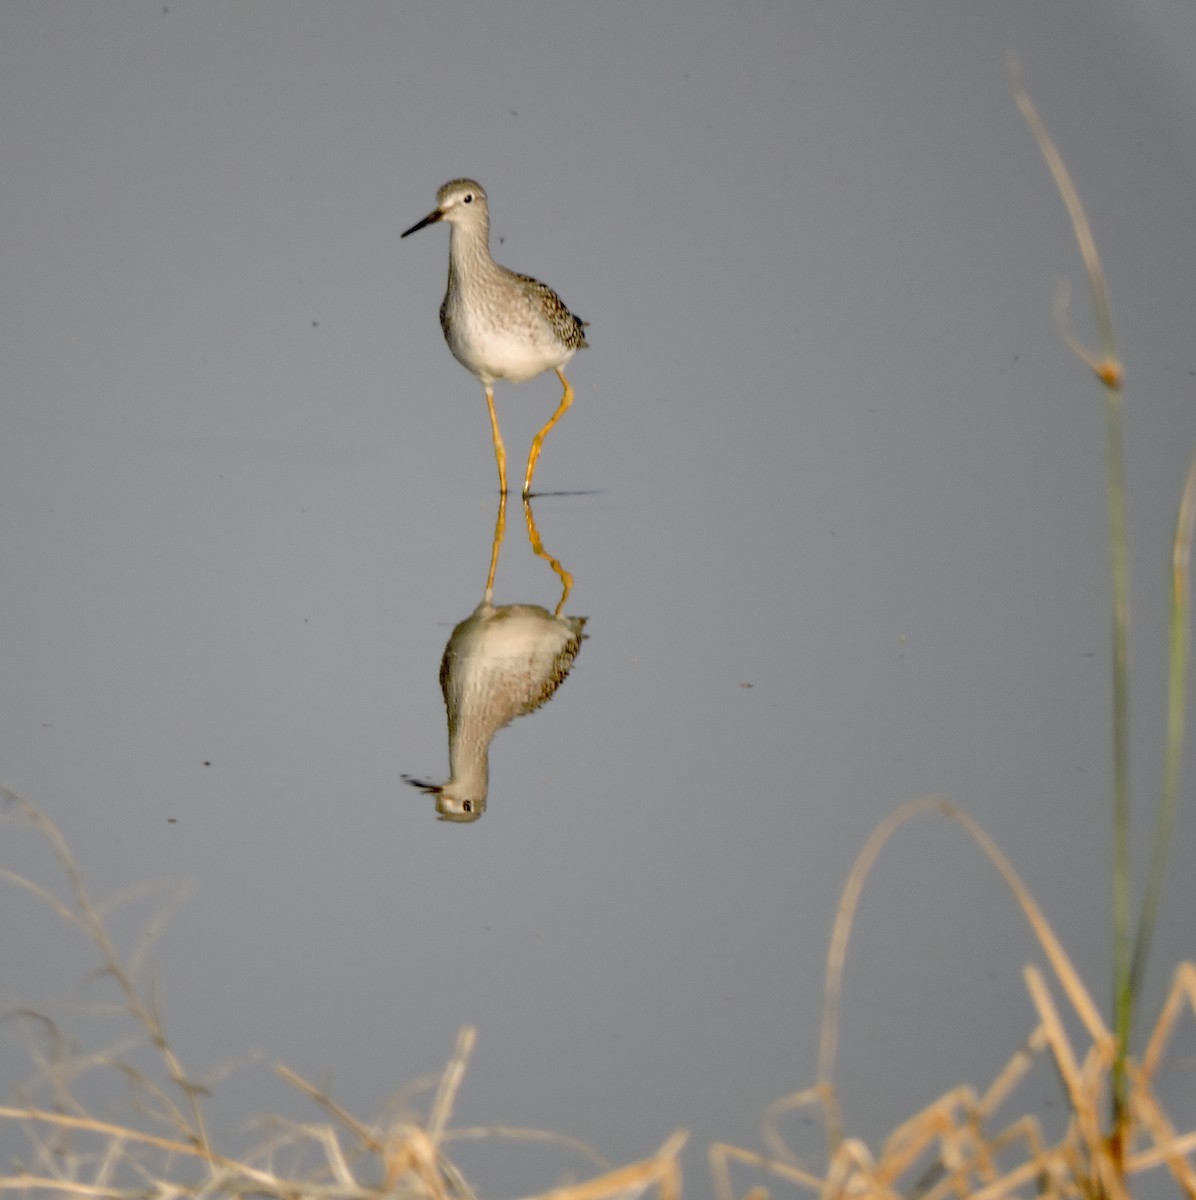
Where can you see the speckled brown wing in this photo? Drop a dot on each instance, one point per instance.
(570, 329)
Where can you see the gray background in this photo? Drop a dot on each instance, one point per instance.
(827, 442)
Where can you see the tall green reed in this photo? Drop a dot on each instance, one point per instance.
(1129, 959)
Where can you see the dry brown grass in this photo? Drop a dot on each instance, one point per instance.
(162, 1146)
(966, 1143)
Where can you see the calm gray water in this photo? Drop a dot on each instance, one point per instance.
(831, 494)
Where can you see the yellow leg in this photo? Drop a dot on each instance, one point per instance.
(500, 451)
(500, 529)
(538, 440)
(538, 550)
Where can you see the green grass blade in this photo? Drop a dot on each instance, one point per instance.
(1181, 607)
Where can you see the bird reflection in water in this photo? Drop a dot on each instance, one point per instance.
(500, 663)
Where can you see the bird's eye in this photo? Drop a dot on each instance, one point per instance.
(467, 805)
(468, 197)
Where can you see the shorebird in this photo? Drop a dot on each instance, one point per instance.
(500, 663)
(499, 324)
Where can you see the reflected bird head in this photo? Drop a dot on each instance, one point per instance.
(450, 805)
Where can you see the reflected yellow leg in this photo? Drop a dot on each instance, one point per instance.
(500, 529)
(500, 451)
(538, 440)
(538, 550)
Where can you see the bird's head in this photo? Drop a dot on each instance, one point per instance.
(460, 202)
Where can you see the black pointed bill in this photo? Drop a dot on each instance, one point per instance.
(430, 219)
